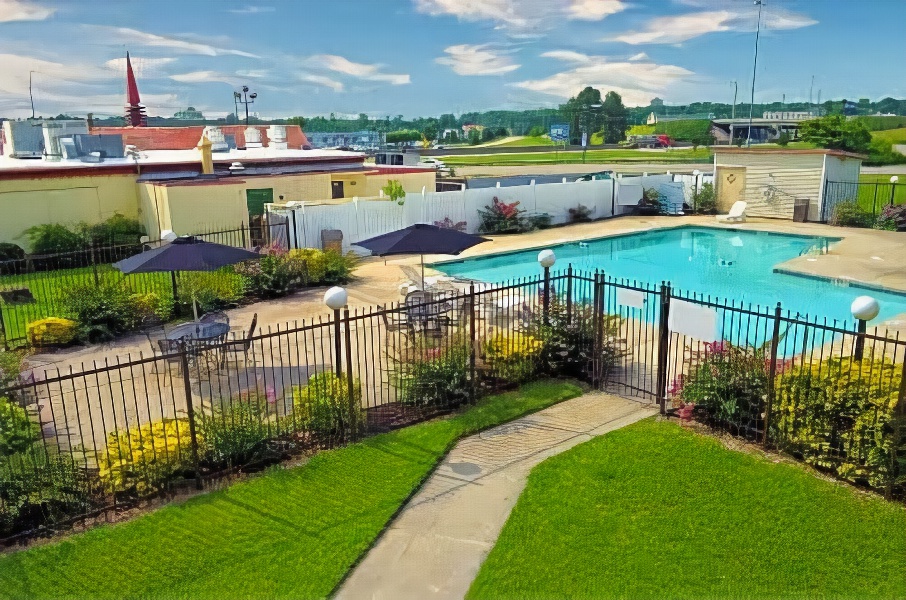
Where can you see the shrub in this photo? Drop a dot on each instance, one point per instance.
(102, 311)
(440, 377)
(538, 221)
(784, 139)
(326, 267)
(569, 340)
(212, 290)
(53, 238)
(17, 430)
(502, 217)
(580, 214)
(850, 214)
(141, 460)
(236, 434)
(513, 356)
(325, 409)
(9, 251)
(11, 362)
(705, 200)
(651, 200)
(276, 274)
(118, 230)
(394, 190)
(536, 131)
(448, 223)
(892, 218)
(838, 414)
(40, 487)
(730, 383)
(52, 331)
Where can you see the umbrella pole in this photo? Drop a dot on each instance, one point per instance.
(194, 306)
(423, 273)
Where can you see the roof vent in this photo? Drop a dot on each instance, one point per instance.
(236, 167)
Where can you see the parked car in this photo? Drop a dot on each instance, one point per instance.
(433, 162)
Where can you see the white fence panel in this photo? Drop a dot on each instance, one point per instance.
(479, 199)
(439, 206)
(376, 217)
(329, 216)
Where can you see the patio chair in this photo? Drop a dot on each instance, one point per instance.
(737, 213)
(170, 349)
(413, 276)
(235, 349)
(396, 326)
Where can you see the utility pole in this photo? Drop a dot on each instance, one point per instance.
(30, 96)
(759, 4)
(735, 89)
(811, 106)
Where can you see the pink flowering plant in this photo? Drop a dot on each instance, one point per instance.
(502, 217)
(449, 223)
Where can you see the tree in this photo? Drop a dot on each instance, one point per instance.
(616, 118)
(584, 112)
(394, 190)
(487, 134)
(502, 132)
(474, 137)
(300, 121)
(836, 132)
(536, 131)
(430, 132)
(447, 121)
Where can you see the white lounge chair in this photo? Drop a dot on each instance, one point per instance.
(737, 213)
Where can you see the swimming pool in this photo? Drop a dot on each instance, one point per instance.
(727, 264)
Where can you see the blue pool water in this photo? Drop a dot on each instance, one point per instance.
(726, 264)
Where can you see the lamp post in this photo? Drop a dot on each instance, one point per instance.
(758, 3)
(546, 259)
(735, 89)
(335, 298)
(244, 98)
(893, 187)
(696, 174)
(864, 309)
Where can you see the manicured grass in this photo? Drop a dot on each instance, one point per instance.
(893, 136)
(655, 511)
(292, 533)
(592, 156)
(873, 199)
(539, 140)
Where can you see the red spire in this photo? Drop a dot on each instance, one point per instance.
(135, 110)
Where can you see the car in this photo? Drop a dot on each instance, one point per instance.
(437, 164)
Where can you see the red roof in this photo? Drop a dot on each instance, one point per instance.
(186, 138)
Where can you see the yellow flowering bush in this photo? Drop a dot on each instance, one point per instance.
(324, 406)
(51, 331)
(142, 459)
(839, 415)
(513, 355)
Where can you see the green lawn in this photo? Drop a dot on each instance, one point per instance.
(592, 156)
(654, 511)
(525, 141)
(874, 198)
(292, 533)
(893, 136)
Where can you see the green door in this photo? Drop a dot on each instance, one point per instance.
(256, 199)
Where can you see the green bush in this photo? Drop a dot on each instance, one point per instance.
(212, 290)
(513, 356)
(39, 487)
(10, 251)
(438, 378)
(504, 217)
(11, 363)
(18, 431)
(147, 305)
(52, 238)
(236, 434)
(705, 200)
(325, 268)
(730, 383)
(118, 230)
(686, 130)
(839, 414)
(850, 214)
(102, 310)
(892, 218)
(784, 139)
(536, 131)
(276, 274)
(325, 409)
(51, 331)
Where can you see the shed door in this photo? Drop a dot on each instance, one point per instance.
(256, 199)
(731, 186)
(336, 189)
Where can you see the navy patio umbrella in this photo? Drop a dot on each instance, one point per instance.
(185, 254)
(422, 239)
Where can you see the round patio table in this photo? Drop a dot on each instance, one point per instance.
(198, 331)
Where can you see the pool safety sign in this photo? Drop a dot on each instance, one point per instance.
(560, 132)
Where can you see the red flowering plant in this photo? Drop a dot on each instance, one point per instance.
(502, 217)
(449, 223)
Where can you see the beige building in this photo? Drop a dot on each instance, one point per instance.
(168, 189)
(773, 182)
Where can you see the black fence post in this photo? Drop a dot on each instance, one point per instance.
(176, 310)
(190, 412)
(473, 384)
(350, 379)
(547, 295)
(899, 436)
(94, 266)
(663, 347)
(337, 344)
(772, 373)
(598, 312)
(569, 294)
(295, 243)
(3, 329)
(242, 233)
(893, 191)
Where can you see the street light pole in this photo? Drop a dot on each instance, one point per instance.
(759, 4)
(246, 100)
(735, 89)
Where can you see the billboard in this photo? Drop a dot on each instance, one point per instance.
(560, 133)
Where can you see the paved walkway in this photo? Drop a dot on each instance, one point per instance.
(436, 545)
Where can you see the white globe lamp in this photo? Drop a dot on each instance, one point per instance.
(168, 235)
(335, 298)
(865, 308)
(894, 179)
(547, 258)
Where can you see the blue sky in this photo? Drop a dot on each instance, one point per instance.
(426, 57)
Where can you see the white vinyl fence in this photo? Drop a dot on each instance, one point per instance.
(362, 218)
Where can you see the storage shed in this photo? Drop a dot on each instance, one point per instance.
(773, 182)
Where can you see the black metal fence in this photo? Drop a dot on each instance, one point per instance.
(871, 197)
(35, 287)
(114, 432)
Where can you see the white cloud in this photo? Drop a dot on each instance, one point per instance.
(510, 12)
(636, 82)
(322, 80)
(117, 36)
(676, 29)
(207, 77)
(251, 10)
(339, 64)
(142, 67)
(567, 56)
(639, 56)
(594, 10)
(23, 10)
(467, 59)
